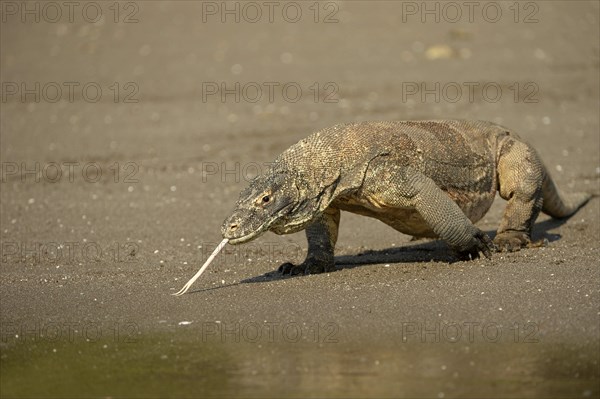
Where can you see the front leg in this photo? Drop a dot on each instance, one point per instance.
(395, 186)
(448, 221)
(322, 236)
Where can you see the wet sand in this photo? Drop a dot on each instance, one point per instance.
(130, 186)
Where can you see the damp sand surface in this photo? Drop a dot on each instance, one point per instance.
(89, 262)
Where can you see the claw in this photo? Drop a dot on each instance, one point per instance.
(511, 241)
(539, 243)
(486, 245)
(286, 268)
(309, 266)
(482, 243)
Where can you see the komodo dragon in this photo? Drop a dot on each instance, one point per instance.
(423, 178)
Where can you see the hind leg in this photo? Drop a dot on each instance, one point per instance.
(520, 177)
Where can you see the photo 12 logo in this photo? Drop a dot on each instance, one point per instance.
(253, 92)
(469, 331)
(453, 92)
(55, 172)
(68, 252)
(53, 92)
(233, 255)
(69, 332)
(69, 11)
(269, 11)
(233, 172)
(269, 332)
(470, 11)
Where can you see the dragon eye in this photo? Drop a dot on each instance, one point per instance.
(266, 199)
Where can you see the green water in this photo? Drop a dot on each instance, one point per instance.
(183, 366)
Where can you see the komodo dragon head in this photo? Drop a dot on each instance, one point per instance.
(273, 202)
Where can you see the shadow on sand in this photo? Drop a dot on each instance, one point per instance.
(429, 251)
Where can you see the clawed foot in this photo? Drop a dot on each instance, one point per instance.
(309, 266)
(480, 242)
(511, 241)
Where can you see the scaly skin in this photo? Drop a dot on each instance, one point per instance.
(423, 178)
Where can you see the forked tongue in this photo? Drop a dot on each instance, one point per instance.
(187, 286)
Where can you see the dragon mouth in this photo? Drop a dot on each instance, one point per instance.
(260, 230)
(248, 237)
(242, 240)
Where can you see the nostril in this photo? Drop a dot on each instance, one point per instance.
(233, 226)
